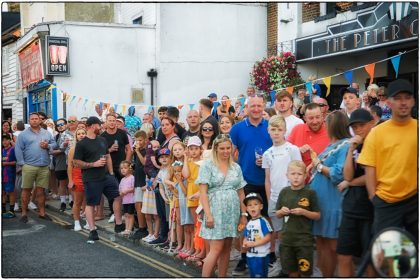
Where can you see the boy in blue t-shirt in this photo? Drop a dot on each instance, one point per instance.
(8, 164)
(257, 236)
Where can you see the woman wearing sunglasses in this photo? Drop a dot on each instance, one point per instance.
(386, 111)
(207, 135)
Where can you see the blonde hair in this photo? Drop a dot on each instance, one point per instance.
(298, 164)
(221, 138)
(373, 87)
(128, 164)
(312, 77)
(277, 121)
(172, 150)
(75, 134)
(148, 128)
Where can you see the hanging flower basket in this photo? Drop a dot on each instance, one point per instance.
(276, 72)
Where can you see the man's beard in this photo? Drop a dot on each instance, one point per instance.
(97, 131)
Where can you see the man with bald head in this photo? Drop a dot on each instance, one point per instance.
(193, 121)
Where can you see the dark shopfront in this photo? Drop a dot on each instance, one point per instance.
(372, 36)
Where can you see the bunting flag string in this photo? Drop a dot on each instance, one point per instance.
(348, 75)
(273, 96)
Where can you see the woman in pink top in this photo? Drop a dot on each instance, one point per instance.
(127, 193)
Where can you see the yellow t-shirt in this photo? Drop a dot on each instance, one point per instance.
(192, 188)
(392, 149)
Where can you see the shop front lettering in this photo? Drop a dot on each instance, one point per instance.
(58, 68)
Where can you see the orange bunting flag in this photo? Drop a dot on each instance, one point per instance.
(80, 99)
(370, 69)
(123, 108)
(180, 107)
(290, 89)
(327, 82)
(64, 97)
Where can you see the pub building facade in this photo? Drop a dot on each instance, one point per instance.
(334, 37)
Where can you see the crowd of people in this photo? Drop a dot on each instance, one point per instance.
(258, 183)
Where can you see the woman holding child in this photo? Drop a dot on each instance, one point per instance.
(328, 175)
(221, 190)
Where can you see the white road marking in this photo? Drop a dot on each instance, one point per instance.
(15, 232)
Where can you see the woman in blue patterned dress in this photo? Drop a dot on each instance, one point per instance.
(221, 194)
(329, 173)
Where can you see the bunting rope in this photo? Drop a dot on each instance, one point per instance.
(369, 68)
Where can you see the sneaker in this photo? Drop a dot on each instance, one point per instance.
(111, 219)
(274, 269)
(32, 206)
(157, 241)
(235, 255)
(153, 238)
(62, 207)
(8, 215)
(86, 226)
(71, 204)
(77, 227)
(140, 233)
(16, 208)
(164, 245)
(316, 272)
(24, 219)
(147, 238)
(119, 228)
(240, 268)
(93, 235)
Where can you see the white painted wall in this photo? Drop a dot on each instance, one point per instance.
(10, 84)
(106, 61)
(208, 48)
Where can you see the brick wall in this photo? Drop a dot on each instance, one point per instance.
(310, 10)
(272, 27)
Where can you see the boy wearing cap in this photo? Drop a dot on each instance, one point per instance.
(257, 236)
(350, 99)
(355, 229)
(298, 205)
(390, 158)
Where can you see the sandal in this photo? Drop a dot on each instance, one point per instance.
(193, 258)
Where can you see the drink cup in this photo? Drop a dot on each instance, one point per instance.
(258, 153)
(116, 143)
(62, 54)
(54, 54)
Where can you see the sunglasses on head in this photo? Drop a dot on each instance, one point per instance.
(207, 129)
(71, 121)
(223, 136)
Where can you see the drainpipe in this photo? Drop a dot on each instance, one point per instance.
(152, 73)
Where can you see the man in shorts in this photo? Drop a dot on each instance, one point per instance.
(92, 155)
(32, 153)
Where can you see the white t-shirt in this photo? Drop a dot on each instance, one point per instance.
(254, 231)
(291, 122)
(277, 159)
(161, 177)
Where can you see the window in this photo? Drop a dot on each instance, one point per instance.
(138, 20)
(40, 101)
(5, 61)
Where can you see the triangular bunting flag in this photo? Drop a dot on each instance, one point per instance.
(308, 86)
(84, 104)
(123, 109)
(92, 104)
(290, 89)
(191, 106)
(150, 109)
(115, 107)
(370, 69)
(349, 76)
(78, 101)
(242, 100)
(101, 105)
(327, 82)
(180, 107)
(72, 99)
(396, 63)
(273, 96)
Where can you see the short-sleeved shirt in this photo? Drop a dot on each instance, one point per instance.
(192, 188)
(318, 141)
(297, 230)
(246, 137)
(255, 230)
(126, 184)
(122, 138)
(392, 148)
(356, 203)
(277, 159)
(291, 122)
(161, 177)
(8, 171)
(90, 150)
(139, 175)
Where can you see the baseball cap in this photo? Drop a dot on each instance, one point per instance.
(398, 86)
(360, 116)
(212, 95)
(349, 90)
(93, 120)
(194, 141)
(253, 196)
(164, 152)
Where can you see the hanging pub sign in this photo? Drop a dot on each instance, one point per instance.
(388, 23)
(30, 61)
(57, 57)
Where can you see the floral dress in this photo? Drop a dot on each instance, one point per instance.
(223, 199)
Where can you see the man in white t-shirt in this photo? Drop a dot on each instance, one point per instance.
(284, 107)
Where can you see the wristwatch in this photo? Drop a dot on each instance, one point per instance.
(244, 214)
(319, 167)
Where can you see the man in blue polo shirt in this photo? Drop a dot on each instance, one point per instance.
(251, 139)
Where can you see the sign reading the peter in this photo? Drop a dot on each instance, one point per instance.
(379, 27)
(30, 62)
(57, 57)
